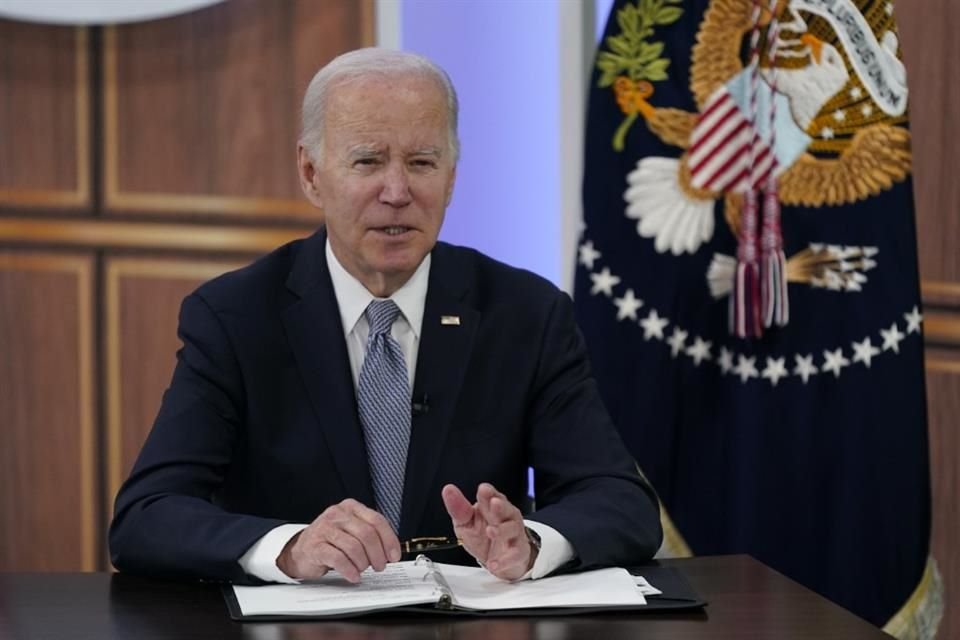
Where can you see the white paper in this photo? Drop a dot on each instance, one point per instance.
(407, 583)
(645, 587)
(476, 588)
(400, 584)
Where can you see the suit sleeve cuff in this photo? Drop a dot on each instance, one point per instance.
(555, 551)
(260, 560)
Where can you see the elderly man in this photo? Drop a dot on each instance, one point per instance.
(370, 384)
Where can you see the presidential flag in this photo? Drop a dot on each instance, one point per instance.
(747, 284)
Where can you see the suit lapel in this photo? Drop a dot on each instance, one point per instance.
(316, 338)
(445, 347)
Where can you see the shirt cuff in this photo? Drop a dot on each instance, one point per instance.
(260, 560)
(555, 551)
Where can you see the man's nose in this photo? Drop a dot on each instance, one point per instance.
(396, 186)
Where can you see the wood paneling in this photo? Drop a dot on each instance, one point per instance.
(44, 116)
(143, 298)
(928, 36)
(201, 112)
(941, 329)
(48, 463)
(148, 235)
(943, 392)
(944, 294)
(930, 49)
(165, 152)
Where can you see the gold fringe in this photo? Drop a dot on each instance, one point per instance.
(920, 616)
(674, 546)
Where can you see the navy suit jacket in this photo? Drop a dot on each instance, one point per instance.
(259, 426)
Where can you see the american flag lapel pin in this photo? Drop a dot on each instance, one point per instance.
(452, 321)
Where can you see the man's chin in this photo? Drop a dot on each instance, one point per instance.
(403, 269)
(399, 256)
(397, 267)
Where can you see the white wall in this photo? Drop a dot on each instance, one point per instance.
(520, 69)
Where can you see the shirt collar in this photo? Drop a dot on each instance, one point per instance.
(353, 298)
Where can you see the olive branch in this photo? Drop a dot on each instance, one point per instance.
(631, 57)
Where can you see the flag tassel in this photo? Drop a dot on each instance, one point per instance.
(745, 318)
(774, 298)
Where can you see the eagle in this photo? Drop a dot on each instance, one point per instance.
(853, 149)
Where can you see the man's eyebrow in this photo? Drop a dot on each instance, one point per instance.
(427, 151)
(363, 151)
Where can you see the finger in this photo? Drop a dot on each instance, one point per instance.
(466, 524)
(384, 538)
(502, 510)
(486, 491)
(494, 507)
(458, 507)
(334, 558)
(332, 527)
(369, 538)
(349, 546)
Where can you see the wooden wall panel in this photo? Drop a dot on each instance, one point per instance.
(943, 392)
(159, 137)
(170, 138)
(44, 116)
(931, 49)
(48, 462)
(113, 234)
(928, 38)
(143, 298)
(208, 124)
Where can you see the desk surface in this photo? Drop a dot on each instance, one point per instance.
(747, 600)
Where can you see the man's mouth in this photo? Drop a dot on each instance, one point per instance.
(395, 230)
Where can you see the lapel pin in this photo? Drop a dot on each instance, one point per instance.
(453, 321)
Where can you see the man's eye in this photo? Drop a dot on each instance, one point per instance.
(424, 163)
(365, 162)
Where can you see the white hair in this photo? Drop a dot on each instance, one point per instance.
(371, 61)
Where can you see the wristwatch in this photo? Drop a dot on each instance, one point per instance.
(535, 543)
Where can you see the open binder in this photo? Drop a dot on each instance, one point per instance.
(423, 586)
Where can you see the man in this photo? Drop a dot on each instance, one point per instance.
(286, 445)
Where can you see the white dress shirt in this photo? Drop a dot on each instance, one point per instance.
(260, 560)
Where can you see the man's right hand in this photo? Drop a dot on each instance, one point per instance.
(347, 537)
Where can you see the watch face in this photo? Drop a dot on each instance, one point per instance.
(533, 537)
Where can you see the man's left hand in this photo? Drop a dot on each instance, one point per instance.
(492, 530)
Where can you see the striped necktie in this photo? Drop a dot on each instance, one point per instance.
(383, 396)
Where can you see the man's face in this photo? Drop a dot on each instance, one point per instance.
(385, 177)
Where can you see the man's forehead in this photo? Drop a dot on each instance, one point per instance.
(426, 128)
(405, 88)
(369, 103)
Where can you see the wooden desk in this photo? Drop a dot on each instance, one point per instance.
(747, 601)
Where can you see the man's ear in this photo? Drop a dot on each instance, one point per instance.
(307, 168)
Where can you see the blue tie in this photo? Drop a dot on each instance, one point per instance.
(383, 395)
